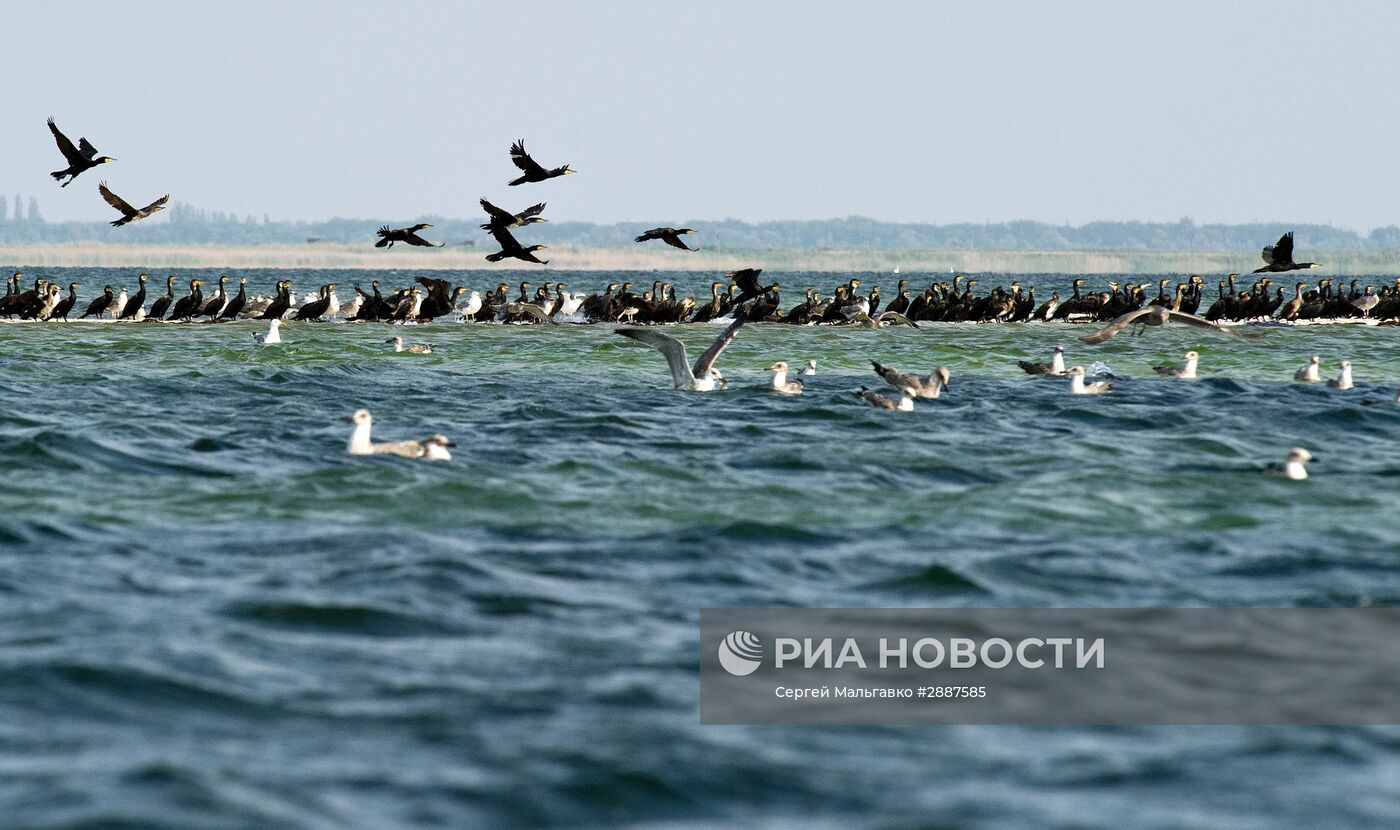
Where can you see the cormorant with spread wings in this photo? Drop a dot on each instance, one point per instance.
(82, 158)
(388, 236)
(129, 213)
(502, 218)
(671, 236)
(1279, 257)
(532, 170)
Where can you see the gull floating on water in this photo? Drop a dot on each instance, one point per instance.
(1292, 466)
(1158, 315)
(1343, 379)
(1056, 366)
(1187, 370)
(780, 383)
(272, 337)
(810, 369)
(416, 348)
(1308, 374)
(432, 448)
(905, 402)
(1077, 386)
(926, 387)
(703, 377)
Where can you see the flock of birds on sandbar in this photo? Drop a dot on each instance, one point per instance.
(740, 298)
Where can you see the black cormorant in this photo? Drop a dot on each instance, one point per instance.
(511, 248)
(133, 305)
(80, 159)
(388, 236)
(671, 236)
(66, 304)
(99, 305)
(190, 304)
(531, 169)
(235, 306)
(502, 218)
(162, 304)
(1279, 257)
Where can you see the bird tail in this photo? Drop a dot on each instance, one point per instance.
(640, 239)
(383, 243)
(497, 257)
(520, 180)
(58, 177)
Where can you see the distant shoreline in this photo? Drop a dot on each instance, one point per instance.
(659, 258)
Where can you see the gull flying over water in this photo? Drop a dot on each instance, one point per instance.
(703, 377)
(432, 448)
(1158, 315)
(129, 213)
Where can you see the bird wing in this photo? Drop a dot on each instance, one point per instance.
(504, 238)
(747, 280)
(158, 203)
(1283, 249)
(671, 348)
(898, 319)
(498, 214)
(532, 309)
(414, 239)
(532, 210)
(710, 355)
(675, 242)
(896, 378)
(88, 150)
(115, 201)
(65, 146)
(1122, 323)
(1201, 322)
(522, 159)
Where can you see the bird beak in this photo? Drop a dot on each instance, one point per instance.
(348, 419)
(451, 444)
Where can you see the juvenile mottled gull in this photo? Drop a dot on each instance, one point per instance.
(416, 348)
(925, 387)
(905, 403)
(1056, 366)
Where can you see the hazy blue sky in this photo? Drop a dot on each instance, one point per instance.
(918, 111)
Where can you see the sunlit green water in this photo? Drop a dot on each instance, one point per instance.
(209, 611)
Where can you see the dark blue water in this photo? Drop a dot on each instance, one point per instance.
(210, 616)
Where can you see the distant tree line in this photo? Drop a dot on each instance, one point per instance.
(21, 222)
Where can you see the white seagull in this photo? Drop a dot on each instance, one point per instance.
(1292, 466)
(1186, 370)
(1343, 379)
(1308, 374)
(273, 335)
(432, 448)
(810, 369)
(1077, 386)
(703, 377)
